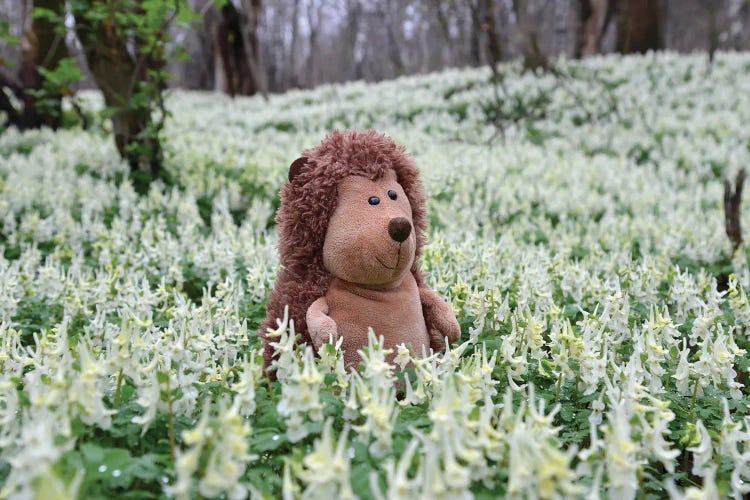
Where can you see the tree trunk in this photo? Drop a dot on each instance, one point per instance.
(41, 48)
(293, 79)
(442, 20)
(711, 7)
(737, 12)
(476, 32)
(394, 50)
(250, 16)
(312, 23)
(533, 56)
(562, 26)
(227, 42)
(353, 14)
(236, 41)
(593, 16)
(117, 74)
(639, 26)
(733, 209)
(494, 47)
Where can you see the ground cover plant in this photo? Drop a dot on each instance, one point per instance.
(576, 229)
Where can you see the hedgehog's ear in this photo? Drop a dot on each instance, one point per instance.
(296, 167)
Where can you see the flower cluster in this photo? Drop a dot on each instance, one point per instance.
(604, 312)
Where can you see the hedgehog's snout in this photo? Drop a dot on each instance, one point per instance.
(399, 228)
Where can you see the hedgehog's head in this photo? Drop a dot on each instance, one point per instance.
(370, 240)
(353, 209)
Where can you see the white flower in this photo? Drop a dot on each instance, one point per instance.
(245, 386)
(621, 454)
(300, 395)
(682, 373)
(377, 368)
(703, 452)
(709, 491)
(222, 442)
(402, 357)
(149, 397)
(44, 438)
(326, 470)
(398, 484)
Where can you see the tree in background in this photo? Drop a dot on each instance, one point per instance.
(595, 16)
(640, 26)
(494, 45)
(45, 74)
(529, 31)
(125, 45)
(235, 35)
(304, 43)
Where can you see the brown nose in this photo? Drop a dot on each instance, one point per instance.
(399, 229)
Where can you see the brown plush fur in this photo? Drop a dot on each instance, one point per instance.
(369, 250)
(308, 203)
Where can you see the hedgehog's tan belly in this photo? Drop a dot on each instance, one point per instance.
(394, 314)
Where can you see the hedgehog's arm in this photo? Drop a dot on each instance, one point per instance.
(439, 317)
(320, 326)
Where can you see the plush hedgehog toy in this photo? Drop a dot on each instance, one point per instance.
(351, 227)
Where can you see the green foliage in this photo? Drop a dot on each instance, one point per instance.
(57, 83)
(114, 471)
(8, 38)
(135, 100)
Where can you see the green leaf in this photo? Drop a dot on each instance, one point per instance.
(567, 413)
(268, 440)
(162, 377)
(42, 13)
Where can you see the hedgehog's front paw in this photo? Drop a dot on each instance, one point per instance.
(320, 326)
(322, 330)
(446, 326)
(440, 320)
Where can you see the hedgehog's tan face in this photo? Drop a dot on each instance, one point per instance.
(370, 238)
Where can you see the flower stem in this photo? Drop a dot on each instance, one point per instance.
(558, 387)
(695, 397)
(171, 421)
(692, 412)
(118, 389)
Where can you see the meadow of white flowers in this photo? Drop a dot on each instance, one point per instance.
(604, 315)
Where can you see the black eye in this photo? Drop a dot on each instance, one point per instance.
(374, 200)
(392, 194)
